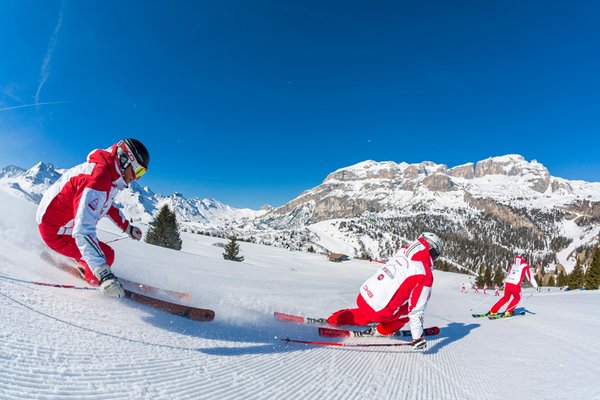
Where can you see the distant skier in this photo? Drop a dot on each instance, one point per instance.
(476, 289)
(518, 270)
(485, 289)
(463, 288)
(496, 290)
(397, 293)
(71, 208)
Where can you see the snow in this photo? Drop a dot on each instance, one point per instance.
(75, 344)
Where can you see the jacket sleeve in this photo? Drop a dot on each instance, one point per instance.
(530, 277)
(88, 209)
(118, 218)
(417, 304)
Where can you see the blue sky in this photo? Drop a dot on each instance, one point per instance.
(252, 102)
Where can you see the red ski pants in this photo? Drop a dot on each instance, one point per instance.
(364, 315)
(510, 290)
(66, 245)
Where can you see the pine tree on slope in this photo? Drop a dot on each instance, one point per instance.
(576, 277)
(232, 249)
(164, 230)
(592, 275)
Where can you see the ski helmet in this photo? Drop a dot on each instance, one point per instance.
(133, 152)
(435, 244)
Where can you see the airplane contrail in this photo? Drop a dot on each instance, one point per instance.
(34, 104)
(46, 64)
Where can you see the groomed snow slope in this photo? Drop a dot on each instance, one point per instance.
(75, 344)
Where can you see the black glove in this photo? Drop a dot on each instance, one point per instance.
(419, 344)
(134, 232)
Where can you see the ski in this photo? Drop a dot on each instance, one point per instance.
(188, 312)
(73, 269)
(329, 332)
(502, 316)
(297, 319)
(184, 311)
(497, 316)
(341, 344)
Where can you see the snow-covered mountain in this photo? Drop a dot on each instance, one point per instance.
(139, 203)
(485, 211)
(30, 184)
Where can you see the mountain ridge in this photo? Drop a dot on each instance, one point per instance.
(500, 205)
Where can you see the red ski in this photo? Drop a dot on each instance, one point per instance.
(297, 319)
(189, 312)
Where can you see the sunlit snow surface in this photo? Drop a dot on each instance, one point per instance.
(75, 344)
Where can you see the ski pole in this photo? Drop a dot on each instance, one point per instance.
(528, 297)
(55, 285)
(117, 239)
(480, 303)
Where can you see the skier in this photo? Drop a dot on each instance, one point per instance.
(476, 289)
(518, 270)
(485, 289)
(463, 288)
(71, 208)
(397, 293)
(496, 290)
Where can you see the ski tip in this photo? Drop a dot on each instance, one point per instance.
(288, 317)
(434, 331)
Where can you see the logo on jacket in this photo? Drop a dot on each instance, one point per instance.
(380, 277)
(93, 204)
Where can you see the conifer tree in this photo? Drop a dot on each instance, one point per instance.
(499, 276)
(164, 230)
(487, 276)
(576, 277)
(592, 275)
(232, 249)
(479, 280)
(551, 281)
(562, 279)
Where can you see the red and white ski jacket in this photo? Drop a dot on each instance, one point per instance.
(519, 270)
(405, 277)
(74, 204)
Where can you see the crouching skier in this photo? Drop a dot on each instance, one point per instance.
(398, 293)
(70, 209)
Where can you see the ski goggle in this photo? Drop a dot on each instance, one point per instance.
(139, 170)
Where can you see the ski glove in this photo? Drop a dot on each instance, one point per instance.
(419, 344)
(109, 285)
(134, 232)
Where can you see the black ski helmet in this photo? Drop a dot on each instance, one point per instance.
(134, 147)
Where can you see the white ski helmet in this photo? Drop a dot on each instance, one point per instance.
(435, 244)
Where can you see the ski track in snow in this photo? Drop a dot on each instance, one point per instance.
(74, 344)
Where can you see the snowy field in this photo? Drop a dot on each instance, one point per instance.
(76, 344)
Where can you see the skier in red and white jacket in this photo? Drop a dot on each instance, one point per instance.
(71, 208)
(518, 270)
(397, 293)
